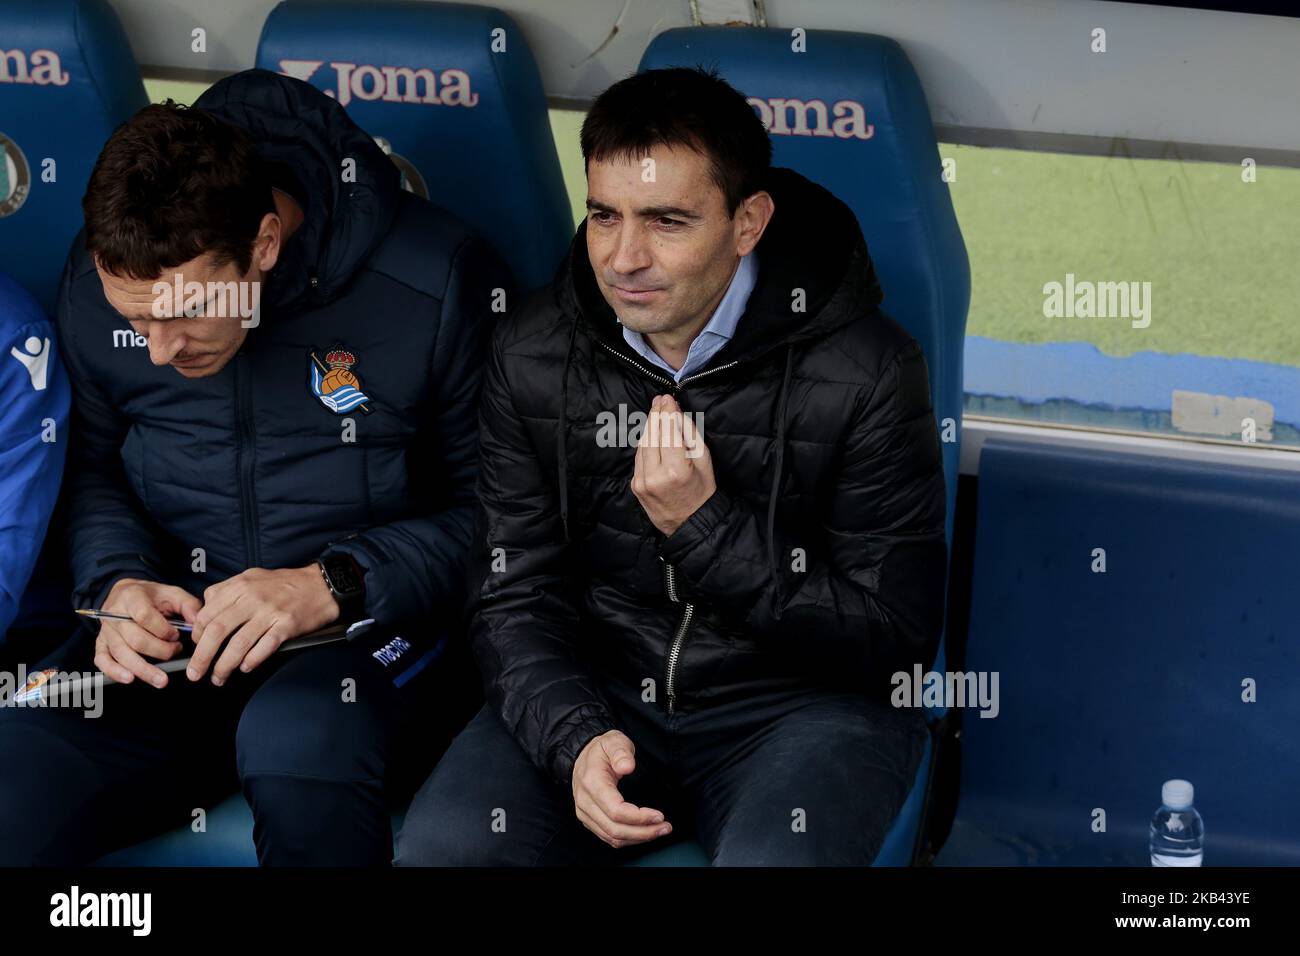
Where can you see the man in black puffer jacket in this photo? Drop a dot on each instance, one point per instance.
(292, 446)
(694, 623)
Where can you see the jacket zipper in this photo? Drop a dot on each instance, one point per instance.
(673, 386)
(670, 572)
(244, 459)
(679, 636)
(639, 367)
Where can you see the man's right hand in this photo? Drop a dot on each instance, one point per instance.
(122, 646)
(601, 808)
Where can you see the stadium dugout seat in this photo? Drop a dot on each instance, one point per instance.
(1112, 682)
(890, 177)
(849, 113)
(453, 93)
(67, 79)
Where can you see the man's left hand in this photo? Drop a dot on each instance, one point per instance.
(673, 474)
(258, 611)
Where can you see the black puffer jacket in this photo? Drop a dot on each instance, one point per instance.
(248, 465)
(820, 559)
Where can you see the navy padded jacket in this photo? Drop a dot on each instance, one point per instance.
(249, 465)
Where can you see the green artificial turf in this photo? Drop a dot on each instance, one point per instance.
(1221, 255)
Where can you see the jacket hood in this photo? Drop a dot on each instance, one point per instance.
(294, 124)
(813, 243)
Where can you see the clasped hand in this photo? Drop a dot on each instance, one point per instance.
(673, 473)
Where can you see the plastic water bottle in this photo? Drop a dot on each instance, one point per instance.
(1177, 833)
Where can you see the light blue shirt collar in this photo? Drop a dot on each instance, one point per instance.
(717, 333)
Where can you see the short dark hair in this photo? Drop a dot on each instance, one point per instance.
(171, 184)
(682, 106)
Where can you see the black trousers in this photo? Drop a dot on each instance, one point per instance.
(793, 778)
(320, 761)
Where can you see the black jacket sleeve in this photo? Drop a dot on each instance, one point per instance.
(866, 589)
(524, 624)
(415, 567)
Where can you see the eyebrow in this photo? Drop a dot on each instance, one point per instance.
(651, 212)
(210, 299)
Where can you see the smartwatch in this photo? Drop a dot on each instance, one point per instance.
(347, 582)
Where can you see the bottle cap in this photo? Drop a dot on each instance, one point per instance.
(1176, 794)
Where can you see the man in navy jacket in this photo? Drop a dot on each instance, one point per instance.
(275, 356)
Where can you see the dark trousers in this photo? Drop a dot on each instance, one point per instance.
(319, 761)
(793, 778)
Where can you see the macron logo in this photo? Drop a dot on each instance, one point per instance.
(36, 360)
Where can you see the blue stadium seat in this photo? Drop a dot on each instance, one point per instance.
(67, 79)
(1111, 683)
(849, 113)
(454, 93)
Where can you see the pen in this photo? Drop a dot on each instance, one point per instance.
(184, 626)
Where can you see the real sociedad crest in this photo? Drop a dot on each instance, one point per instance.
(335, 384)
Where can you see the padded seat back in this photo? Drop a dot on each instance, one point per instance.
(453, 94)
(67, 79)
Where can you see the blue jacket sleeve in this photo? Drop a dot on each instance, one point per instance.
(416, 567)
(33, 441)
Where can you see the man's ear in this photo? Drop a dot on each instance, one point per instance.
(752, 217)
(266, 247)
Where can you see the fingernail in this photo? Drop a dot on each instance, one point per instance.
(217, 680)
(191, 673)
(159, 681)
(664, 831)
